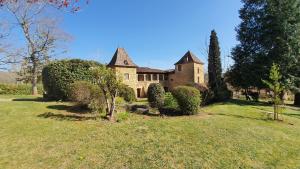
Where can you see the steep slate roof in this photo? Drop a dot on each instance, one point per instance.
(122, 59)
(149, 70)
(189, 57)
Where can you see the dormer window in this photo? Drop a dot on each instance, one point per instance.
(187, 59)
(179, 68)
(125, 62)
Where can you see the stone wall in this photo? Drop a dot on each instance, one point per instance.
(132, 80)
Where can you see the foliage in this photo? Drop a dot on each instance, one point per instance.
(127, 93)
(188, 99)
(269, 33)
(59, 75)
(87, 95)
(170, 101)
(214, 64)
(276, 86)
(18, 89)
(156, 95)
(217, 88)
(109, 83)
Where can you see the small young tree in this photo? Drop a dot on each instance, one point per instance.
(109, 83)
(276, 87)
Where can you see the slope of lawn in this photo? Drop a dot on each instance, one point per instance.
(35, 134)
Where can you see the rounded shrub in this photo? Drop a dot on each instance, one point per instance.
(59, 75)
(86, 95)
(156, 95)
(188, 99)
(127, 93)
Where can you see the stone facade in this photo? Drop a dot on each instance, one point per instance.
(188, 70)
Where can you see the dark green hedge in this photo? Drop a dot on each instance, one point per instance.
(18, 89)
(59, 75)
(188, 99)
(156, 95)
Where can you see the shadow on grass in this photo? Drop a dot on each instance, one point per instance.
(292, 115)
(244, 117)
(247, 103)
(68, 117)
(38, 99)
(71, 109)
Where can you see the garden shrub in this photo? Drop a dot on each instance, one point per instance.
(127, 93)
(188, 98)
(59, 75)
(156, 95)
(18, 89)
(206, 94)
(87, 95)
(170, 101)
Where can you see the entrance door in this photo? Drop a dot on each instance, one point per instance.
(138, 92)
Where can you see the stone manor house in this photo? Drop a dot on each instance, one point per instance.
(188, 70)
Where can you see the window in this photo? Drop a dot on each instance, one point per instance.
(161, 77)
(166, 77)
(141, 78)
(125, 62)
(154, 77)
(148, 77)
(126, 76)
(198, 70)
(198, 79)
(179, 67)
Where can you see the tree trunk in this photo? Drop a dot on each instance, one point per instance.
(34, 79)
(297, 99)
(112, 109)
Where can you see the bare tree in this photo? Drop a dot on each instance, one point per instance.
(41, 34)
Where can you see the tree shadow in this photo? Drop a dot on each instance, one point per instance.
(38, 99)
(68, 117)
(247, 103)
(292, 115)
(71, 109)
(243, 117)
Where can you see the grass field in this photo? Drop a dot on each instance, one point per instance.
(35, 134)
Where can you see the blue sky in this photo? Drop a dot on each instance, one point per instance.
(155, 33)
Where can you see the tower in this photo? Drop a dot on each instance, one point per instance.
(124, 67)
(188, 70)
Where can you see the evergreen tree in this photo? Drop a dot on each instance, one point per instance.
(269, 33)
(215, 81)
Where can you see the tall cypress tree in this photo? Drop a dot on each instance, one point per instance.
(214, 66)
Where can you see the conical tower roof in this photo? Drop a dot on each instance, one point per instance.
(189, 57)
(121, 59)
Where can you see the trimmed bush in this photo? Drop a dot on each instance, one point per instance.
(18, 89)
(59, 75)
(188, 99)
(127, 93)
(170, 101)
(87, 95)
(156, 95)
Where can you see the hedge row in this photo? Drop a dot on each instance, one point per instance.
(59, 75)
(18, 89)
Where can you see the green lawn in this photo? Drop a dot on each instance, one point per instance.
(36, 134)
